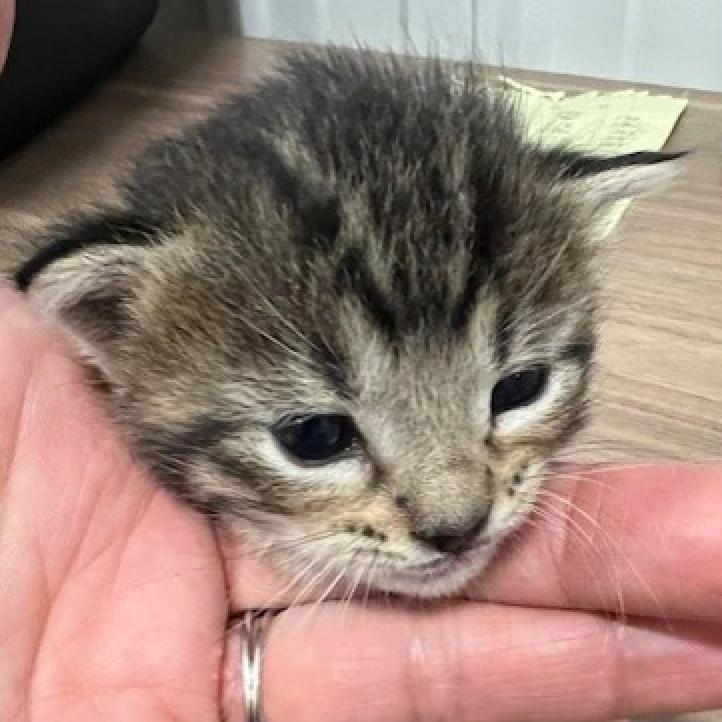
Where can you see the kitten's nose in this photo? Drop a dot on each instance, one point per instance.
(454, 538)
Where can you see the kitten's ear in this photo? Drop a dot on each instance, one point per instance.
(85, 278)
(602, 181)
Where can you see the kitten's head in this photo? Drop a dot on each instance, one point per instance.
(359, 326)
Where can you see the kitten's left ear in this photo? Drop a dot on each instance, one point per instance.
(603, 180)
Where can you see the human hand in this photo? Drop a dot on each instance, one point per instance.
(114, 598)
(608, 604)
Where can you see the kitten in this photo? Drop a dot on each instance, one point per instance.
(352, 313)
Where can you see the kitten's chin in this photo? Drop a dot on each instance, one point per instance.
(445, 578)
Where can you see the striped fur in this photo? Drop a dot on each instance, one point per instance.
(360, 235)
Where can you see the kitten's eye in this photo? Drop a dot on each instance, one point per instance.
(318, 439)
(518, 389)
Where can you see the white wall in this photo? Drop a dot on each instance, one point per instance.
(673, 42)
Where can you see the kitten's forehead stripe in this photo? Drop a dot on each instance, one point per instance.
(477, 276)
(354, 276)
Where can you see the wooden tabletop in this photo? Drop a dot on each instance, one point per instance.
(659, 382)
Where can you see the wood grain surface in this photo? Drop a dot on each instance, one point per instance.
(659, 381)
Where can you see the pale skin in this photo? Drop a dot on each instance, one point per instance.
(114, 598)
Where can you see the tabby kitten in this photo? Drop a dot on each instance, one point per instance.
(352, 313)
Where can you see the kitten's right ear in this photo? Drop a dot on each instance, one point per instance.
(85, 278)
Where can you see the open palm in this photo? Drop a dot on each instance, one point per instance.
(112, 596)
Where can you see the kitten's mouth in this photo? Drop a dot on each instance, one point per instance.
(440, 576)
(444, 564)
(436, 567)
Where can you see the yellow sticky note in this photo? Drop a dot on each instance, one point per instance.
(599, 123)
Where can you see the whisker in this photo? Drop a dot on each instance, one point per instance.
(577, 534)
(369, 581)
(614, 546)
(313, 608)
(347, 598)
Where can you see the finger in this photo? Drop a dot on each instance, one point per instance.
(479, 663)
(643, 541)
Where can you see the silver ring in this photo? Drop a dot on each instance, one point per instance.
(254, 624)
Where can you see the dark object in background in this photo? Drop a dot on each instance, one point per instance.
(59, 50)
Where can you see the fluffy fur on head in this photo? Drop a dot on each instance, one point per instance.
(361, 255)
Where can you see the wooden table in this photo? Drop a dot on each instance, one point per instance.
(659, 385)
